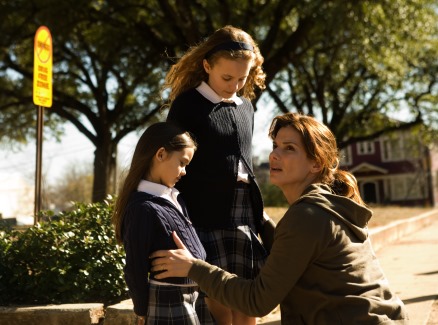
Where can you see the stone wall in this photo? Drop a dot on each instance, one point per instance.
(65, 314)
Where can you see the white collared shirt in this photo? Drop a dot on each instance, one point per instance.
(205, 90)
(211, 95)
(169, 193)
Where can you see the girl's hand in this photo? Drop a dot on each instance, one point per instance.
(172, 263)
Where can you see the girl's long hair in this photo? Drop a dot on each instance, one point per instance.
(320, 145)
(189, 71)
(159, 135)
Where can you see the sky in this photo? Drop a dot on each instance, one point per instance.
(17, 167)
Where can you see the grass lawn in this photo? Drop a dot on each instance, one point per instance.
(382, 215)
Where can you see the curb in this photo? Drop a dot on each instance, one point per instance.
(380, 236)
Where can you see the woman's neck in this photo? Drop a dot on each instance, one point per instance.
(294, 192)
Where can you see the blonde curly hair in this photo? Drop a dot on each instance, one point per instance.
(189, 71)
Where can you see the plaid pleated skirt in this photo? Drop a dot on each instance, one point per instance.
(172, 305)
(236, 249)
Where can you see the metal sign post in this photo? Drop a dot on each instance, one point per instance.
(38, 165)
(42, 97)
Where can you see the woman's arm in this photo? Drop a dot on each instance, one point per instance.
(175, 262)
(180, 263)
(297, 244)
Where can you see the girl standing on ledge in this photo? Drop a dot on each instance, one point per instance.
(210, 91)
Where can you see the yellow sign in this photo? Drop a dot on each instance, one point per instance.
(42, 68)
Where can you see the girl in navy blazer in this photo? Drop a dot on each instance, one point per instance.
(148, 209)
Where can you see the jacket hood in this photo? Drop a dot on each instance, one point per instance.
(354, 215)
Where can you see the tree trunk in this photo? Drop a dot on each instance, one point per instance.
(104, 164)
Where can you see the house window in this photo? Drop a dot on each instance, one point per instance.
(345, 156)
(398, 189)
(407, 188)
(392, 149)
(365, 147)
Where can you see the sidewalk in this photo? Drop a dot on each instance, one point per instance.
(408, 253)
(411, 266)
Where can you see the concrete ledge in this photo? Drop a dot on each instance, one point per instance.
(66, 314)
(381, 236)
(121, 313)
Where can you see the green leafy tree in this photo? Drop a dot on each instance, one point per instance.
(343, 61)
(365, 62)
(106, 79)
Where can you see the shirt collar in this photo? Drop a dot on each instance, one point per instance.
(156, 189)
(206, 91)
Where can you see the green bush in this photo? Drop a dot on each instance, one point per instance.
(70, 258)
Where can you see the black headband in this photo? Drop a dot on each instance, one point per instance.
(230, 46)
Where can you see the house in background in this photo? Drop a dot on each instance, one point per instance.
(394, 169)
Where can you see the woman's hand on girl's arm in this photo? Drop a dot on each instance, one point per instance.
(172, 263)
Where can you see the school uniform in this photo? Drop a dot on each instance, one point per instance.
(222, 196)
(152, 214)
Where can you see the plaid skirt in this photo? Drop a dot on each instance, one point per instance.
(238, 249)
(172, 305)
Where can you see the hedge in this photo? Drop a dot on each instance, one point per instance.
(69, 258)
